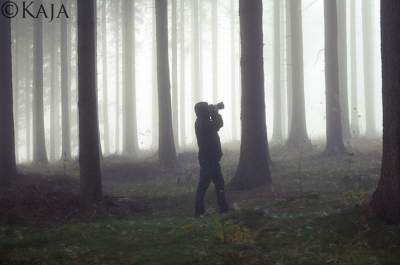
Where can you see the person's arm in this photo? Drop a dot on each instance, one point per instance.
(216, 121)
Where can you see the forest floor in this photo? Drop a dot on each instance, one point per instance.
(316, 212)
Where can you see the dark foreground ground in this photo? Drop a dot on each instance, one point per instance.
(315, 213)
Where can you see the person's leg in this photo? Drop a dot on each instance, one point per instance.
(204, 183)
(219, 183)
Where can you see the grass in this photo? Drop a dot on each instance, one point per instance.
(315, 213)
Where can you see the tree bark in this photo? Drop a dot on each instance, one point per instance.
(129, 94)
(355, 126)
(277, 134)
(183, 79)
(289, 65)
(234, 98)
(214, 68)
(298, 136)
(343, 76)
(174, 74)
(369, 74)
(386, 199)
(196, 54)
(8, 168)
(334, 130)
(166, 145)
(253, 169)
(106, 134)
(117, 75)
(89, 142)
(154, 86)
(65, 91)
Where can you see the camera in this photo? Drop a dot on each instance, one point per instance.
(217, 107)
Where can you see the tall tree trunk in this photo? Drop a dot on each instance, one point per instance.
(183, 79)
(28, 99)
(233, 70)
(298, 136)
(166, 149)
(369, 73)
(8, 166)
(334, 130)
(16, 57)
(154, 85)
(39, 142)
(106, 135)
(355, 127)
(253, 169)
(174, 74)
(117, 75)
(277, 135)
(53, 92)
(65, 90)
(129, 97)
(289, 65)
(196, 54)
(386, 199)
(89, 142)
(215, 49)
(343, 76)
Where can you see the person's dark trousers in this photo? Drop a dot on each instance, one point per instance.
(210, 171)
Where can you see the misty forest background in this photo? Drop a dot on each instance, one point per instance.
(98, 157)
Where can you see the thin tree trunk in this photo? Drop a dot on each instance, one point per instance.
(65, 89)
(174, 74)
(53, 95)
(117, 75)
(343, 76)
(154, 85)
(386, 199)
(298, 136)
(166, 145)
(89, 142)
(289, 65)
(334, 130)
(183, 79)
(196, 53)
(106, 135)
(355, 127)
(215, 49)
(253, 169)
(233, 70)
(129, 97)
(369, 73)
(8, 166)
(277, 135)
(39, 142)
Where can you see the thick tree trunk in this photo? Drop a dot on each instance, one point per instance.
(129, 95)
(7, 140)
(334, 130)
(174, 74)
(28, 101)
(106, 134)
(298, 136)
(277, 135)
(16, 56)
(183, 79)
(253, 169)
(369, 73)
(166, 148)
(214, 68)
(39, 142)
(355, 127)
(386, 199)
(343, 76)
(65, 91)
(89, 142)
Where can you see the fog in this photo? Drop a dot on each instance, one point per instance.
(228, 65)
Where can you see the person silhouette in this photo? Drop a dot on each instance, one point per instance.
(207, 125)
